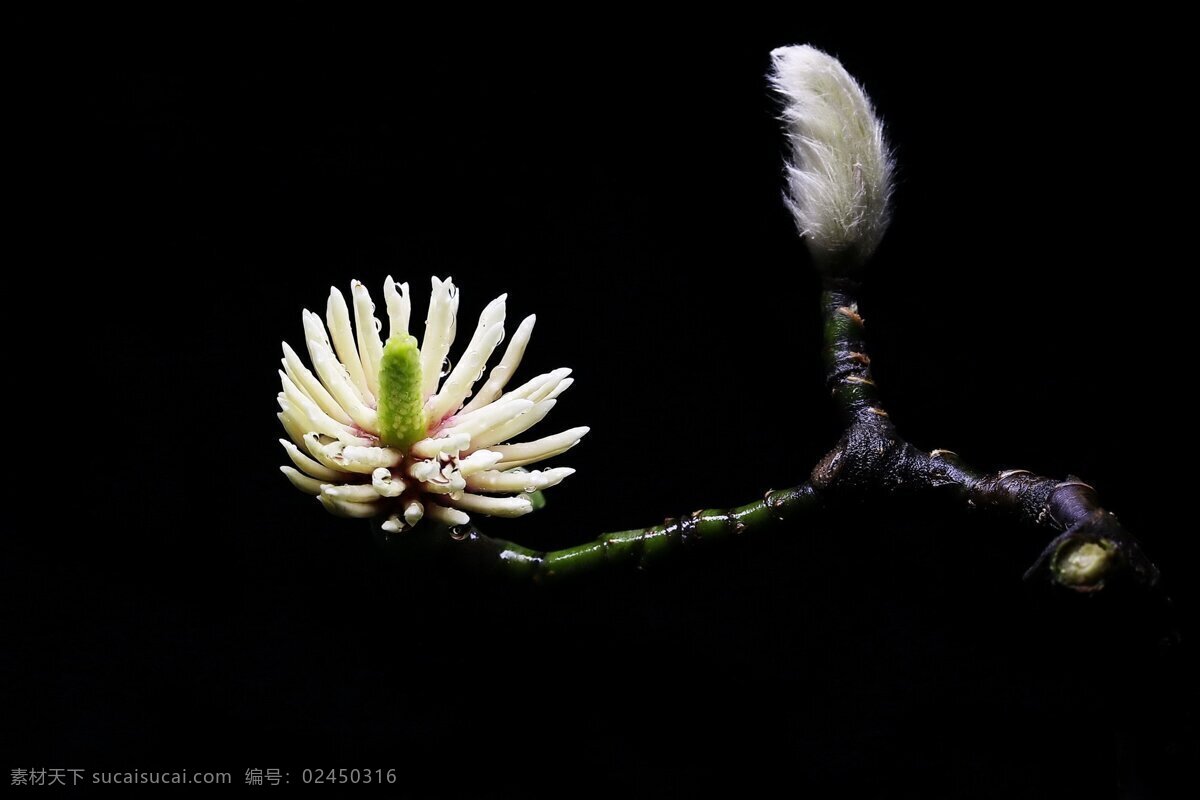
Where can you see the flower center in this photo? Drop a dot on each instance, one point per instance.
(401, 407)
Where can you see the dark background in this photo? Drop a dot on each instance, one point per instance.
(184, 607)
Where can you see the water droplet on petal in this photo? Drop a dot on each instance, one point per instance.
(480, 375)
(446, 367)
(378, 325)
(459, 532)
(530, 489)
(502, 335)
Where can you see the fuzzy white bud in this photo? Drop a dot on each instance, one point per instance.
(840, 172)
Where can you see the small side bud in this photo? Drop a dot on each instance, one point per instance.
(1083, 565)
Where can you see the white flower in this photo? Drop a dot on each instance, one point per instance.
(840, 176)
(376, 431)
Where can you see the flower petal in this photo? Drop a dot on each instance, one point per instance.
(386, 484)
(310, 467)
(333, 374)
(458, 385)
(558, 383)
(515, 426)
(351, 492)
(439, 334)
(290, 424)
(361, 460)
(317, 420)
(342, 508)
(316, 446)
(399, 308)
(562, 386)
(478, 461)
(451, 444)
(368, 459)
(437, 478)
(337, 314)
(492, 506)
(293, 419)
(516, 480)
(311, 386)
(488, 417)
(517, 455)
(413, 511)
(366, 331)
(538, 387)
(301, 481)
(446, 516)
(501, 373)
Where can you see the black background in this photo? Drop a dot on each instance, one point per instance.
(186, 608)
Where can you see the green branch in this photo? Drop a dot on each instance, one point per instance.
(1088, 551)
(1090, 548)
(637, 548)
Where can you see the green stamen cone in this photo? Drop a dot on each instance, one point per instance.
(401, 414)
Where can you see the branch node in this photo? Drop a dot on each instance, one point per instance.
(851, 312)
(1008, 473)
